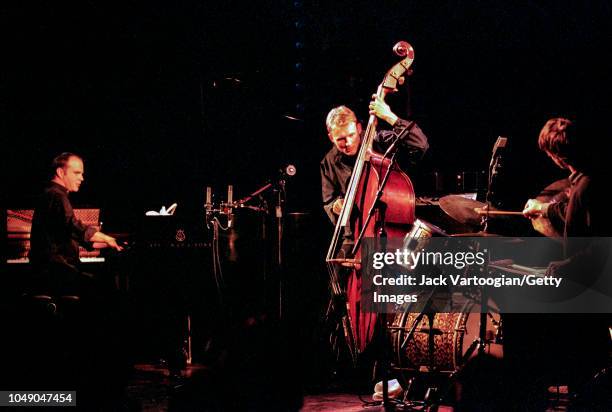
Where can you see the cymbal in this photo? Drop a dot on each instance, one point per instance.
(461, 209)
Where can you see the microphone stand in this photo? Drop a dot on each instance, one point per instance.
(494, 166)
(279, 213)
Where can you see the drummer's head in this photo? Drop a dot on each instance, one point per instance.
(344, 130)
(558, 140)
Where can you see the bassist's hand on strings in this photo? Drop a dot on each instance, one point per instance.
(382, 110)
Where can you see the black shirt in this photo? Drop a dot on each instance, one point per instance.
(56, 232)
(585, 221)
(337, 168)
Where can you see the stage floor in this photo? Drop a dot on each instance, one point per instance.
(153, 388)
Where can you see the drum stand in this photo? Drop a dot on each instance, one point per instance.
(427, 310)
(494, 165)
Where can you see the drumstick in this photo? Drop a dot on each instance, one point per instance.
(343, 260)
(346, 262)
(497, 212)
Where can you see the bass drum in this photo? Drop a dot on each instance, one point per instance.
(443, 342)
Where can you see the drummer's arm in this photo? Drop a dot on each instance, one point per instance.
(554, 211)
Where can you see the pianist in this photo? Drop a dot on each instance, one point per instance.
(57, 233)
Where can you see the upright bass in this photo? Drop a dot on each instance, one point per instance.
(393, 212)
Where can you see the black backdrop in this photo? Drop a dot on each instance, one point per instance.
(163, 99)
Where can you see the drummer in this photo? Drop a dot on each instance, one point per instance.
(345, 133)
(579, 342)
(584, 213)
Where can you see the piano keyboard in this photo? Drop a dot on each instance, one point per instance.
(85, 259)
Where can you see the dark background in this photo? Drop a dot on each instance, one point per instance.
(162, 100)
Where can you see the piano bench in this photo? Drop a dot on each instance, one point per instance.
(39, 304)
(42, 306)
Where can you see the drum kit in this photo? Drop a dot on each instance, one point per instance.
(435, 344)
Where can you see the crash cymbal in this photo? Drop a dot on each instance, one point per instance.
(461, 209)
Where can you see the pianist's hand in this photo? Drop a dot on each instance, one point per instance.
(112, 242)
(109, 240)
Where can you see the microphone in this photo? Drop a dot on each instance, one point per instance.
(208, 204)
(498, 148)
(230, 195)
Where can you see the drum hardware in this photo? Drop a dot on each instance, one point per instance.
(418, 237)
